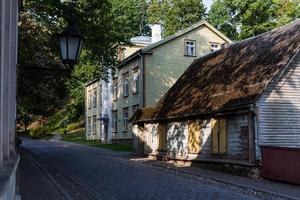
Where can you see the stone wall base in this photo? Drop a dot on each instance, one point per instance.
(250, 171)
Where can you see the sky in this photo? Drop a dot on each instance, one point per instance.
(207, 3)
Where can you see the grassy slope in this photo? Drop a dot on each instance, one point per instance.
(78, 137)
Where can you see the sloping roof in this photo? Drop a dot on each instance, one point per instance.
(231, 77)
(141, 39)
(172, 37)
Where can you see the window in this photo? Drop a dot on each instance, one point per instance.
(94, 124)
(125, 119)
(115, 121)
(115, 89)
(135, 80)
(95, 97)
(190, 48)
(89, 127)
(214, 46)
(219, 136)
(125, 84)
(135, 108)
(100, 95)
(89, 99)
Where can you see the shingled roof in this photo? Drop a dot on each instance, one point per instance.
(231, 77)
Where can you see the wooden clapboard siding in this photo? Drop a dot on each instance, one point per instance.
(279, 110)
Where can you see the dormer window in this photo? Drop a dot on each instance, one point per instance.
(214, 46)
(190, 47)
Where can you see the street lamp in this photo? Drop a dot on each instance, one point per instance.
(70, 41)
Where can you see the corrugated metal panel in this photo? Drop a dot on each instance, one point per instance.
(281, 164)
(279, 110)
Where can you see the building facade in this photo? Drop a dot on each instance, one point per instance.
(146, 75)
(8, 60)
(149, 68)
(99, 97)
(236, 108)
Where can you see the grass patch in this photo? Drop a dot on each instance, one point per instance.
(78, 137)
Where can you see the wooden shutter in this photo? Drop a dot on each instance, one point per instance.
(222, 136)
(162, 136)
(194, 135)
(214, 136)
(219, 136)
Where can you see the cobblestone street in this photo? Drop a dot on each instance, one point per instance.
(85, 172)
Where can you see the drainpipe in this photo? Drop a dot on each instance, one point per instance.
(253, 117)
(142, 77)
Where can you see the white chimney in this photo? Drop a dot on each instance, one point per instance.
(156, 32)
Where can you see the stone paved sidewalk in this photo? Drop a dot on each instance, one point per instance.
(250, 186)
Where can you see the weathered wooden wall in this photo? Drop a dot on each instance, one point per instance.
(180, 145)
(279, 110)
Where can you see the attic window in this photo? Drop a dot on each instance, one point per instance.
(214, 46)
(190, 47)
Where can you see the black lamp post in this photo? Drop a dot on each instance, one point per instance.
(70, 41)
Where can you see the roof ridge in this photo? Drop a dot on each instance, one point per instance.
(264, 33)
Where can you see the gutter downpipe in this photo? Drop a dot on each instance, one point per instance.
(142, 81)
(254, 129)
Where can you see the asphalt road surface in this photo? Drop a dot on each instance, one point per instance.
(82, 172)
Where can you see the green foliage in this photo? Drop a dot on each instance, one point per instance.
(37, 132)
(176, 14)
(240, 19)
(74, 126)
(79, 137)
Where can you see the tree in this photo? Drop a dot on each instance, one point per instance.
(240, 19)
(175, 15)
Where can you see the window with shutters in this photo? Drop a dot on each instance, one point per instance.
(194, 137)
(219, 136)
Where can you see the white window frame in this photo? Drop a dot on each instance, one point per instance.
(94, 124)
(95, 97)
(115, 89)
(135, 80)
(115, 121)
(89, 126)
(135, 108)
(100, 95)
(126, 84)
(190, 48)
(125, 120)
(215, 46)
(90, 99)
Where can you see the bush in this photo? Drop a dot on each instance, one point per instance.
(37, 132)
(74, 126)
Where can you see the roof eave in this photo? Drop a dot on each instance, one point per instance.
(223, 111)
